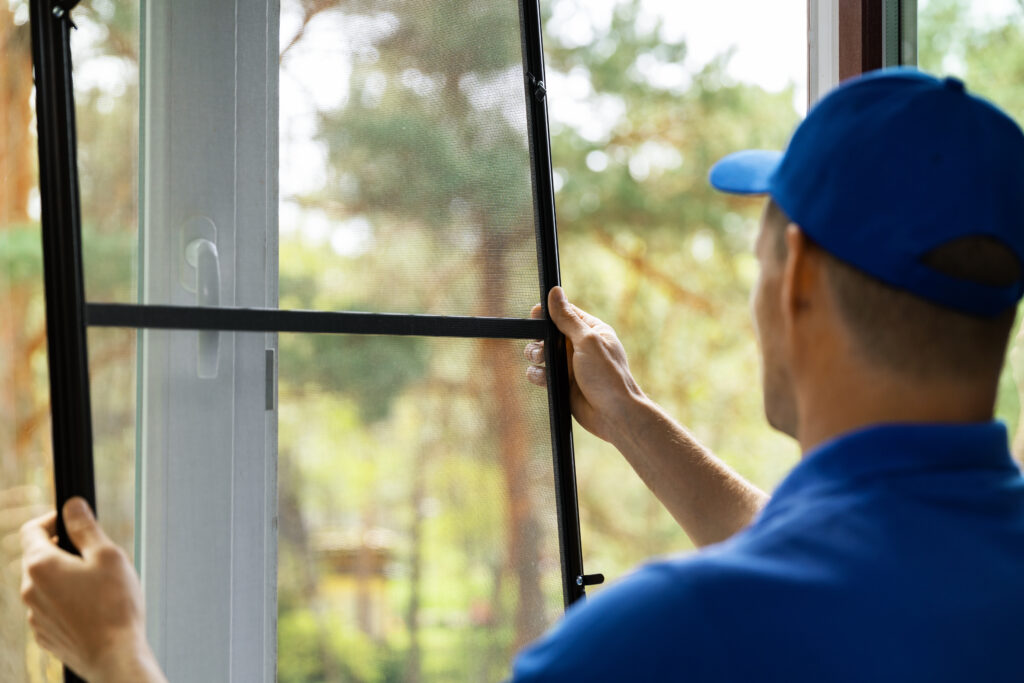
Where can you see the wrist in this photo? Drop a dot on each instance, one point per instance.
(130, 660)
(633, 418)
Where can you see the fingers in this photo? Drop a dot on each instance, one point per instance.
(83, 530)
(48, 633)
(535, 373)
(538, 312)
(534, 352)
(11, 520)
(13, 517)
(566, 316)
(19, 496)
(36, 533)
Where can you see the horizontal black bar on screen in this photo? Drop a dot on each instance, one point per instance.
(318, 322)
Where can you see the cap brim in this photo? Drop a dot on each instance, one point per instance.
(746, 172)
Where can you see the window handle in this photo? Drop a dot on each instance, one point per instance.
(202, 255)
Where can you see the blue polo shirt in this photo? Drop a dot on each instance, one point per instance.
(893, 553)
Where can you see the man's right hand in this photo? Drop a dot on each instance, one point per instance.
(601, 385)
(708, 499)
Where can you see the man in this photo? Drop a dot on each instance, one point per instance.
(890, 249)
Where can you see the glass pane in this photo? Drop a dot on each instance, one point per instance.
(26, 487)
(25, 444)
(983, 44)
(106, 79)
(405, 169)
(113, 390)
(417, 533)
(108, 200)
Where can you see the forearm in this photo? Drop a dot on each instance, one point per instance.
(708, 499)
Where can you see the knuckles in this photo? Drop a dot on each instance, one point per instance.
(28, 593)
(31, 592)
(588, 340)
(109, 555)
(36, 573)
(26, 532)
(39, 569)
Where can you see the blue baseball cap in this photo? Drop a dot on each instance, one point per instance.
(891, 165)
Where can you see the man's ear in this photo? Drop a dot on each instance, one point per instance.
(801, 275)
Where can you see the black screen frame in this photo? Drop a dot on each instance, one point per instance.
(69, 315)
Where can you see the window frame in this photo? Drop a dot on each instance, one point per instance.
(846, 38)
(207, 487)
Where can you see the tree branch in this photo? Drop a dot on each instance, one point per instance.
(644, 268)
(313, 9)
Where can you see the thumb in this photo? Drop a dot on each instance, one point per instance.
(83, 529)
(564, 315)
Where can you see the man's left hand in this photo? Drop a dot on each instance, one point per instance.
(88, 610)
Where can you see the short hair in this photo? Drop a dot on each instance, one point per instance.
(908, 334)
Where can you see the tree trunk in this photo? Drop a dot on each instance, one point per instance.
(23, 446)
(17, 146)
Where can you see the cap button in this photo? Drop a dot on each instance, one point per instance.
(954, 84)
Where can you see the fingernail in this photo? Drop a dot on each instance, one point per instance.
(559, 294)
(536, 355)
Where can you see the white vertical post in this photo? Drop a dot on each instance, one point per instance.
(207, 447)
(822, 48)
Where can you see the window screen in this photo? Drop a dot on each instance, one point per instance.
(405, 185)
(417, 524)
(405, 158)
(309, 414)
(416, 516)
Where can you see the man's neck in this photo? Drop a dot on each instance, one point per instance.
(861, 398)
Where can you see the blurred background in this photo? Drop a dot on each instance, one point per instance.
(389, 568)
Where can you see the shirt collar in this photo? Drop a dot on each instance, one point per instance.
(887, 449)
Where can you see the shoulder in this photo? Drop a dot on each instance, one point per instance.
(655, 622)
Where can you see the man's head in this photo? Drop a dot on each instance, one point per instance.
(881, 327)
(891, 249)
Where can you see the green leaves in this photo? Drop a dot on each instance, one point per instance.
(21, 254)
(370, 370)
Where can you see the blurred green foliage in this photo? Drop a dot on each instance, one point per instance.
(21, 253)
(372, 370)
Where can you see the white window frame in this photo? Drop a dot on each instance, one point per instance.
(208, 437)
(822, 48)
